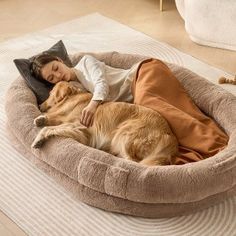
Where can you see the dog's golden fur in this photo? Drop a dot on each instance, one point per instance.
(122, 129)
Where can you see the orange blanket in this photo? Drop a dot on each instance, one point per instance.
(199, 136)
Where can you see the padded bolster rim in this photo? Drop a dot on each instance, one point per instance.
(102, 177)
(136, 186)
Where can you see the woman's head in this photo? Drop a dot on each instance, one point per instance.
(51, 68)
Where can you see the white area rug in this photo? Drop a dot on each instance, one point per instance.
(41, 207)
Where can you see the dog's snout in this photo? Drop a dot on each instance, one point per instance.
(44, 107)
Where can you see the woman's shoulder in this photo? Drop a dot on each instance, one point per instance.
(84, 60)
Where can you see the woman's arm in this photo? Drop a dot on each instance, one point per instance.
(89, 112)
(96, 72)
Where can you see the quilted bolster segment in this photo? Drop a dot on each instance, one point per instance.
(102, 177)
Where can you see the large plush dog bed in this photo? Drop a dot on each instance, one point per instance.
(105, 181)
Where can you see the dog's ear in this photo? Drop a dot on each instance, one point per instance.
(72, 90)
(62, 90)
(60, 95)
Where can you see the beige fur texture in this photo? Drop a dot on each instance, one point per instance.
(125, 130)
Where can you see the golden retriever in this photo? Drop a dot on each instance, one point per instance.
(125, 130)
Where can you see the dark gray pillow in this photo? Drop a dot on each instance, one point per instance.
(41, 88)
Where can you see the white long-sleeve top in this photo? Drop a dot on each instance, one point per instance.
(104, 82)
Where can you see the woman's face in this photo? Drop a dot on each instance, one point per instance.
(56, 71)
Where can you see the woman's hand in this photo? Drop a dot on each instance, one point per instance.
(88, 113)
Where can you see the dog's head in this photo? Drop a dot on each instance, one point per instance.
(60, 92)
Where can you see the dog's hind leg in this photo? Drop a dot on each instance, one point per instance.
(132, 141)
(70, 130)
(125, 141)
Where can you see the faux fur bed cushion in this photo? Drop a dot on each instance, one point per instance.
(115, 184)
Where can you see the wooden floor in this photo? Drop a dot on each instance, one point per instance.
(8, 227)
(142, 15)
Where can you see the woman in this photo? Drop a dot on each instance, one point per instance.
(149, 83)
(105, 82)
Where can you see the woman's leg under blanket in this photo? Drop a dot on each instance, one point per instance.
(157, 88)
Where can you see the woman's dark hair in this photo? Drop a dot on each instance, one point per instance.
(38, 62)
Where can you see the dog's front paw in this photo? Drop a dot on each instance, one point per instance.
(38, 143)
(40, 120)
